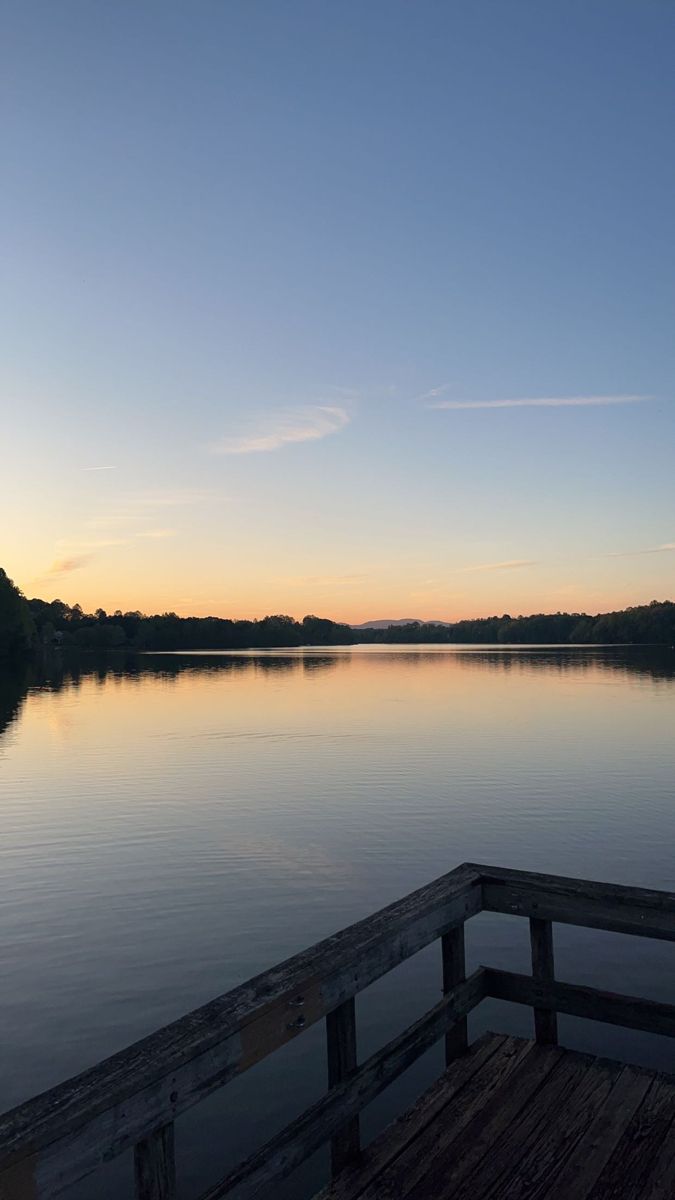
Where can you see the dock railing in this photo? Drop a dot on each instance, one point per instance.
(132, 1099)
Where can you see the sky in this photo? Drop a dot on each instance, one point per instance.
(364, 309)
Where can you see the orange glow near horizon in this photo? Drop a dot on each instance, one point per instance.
(466, 595)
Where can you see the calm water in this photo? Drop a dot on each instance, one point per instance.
(174, 824)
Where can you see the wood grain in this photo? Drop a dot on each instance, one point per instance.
(541, 941)
(155, 1166)
(453, 957)
(631, 1012)
(585, 902)
(406, 1129)
(598, 1143)
(341, 1048)
(283, 1153)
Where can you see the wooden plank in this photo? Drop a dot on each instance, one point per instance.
(406, 1175)
(640, 911)
(65, 1133)
(631, 1012)
(541, 942)
(283, 1153)
(628, 1170)
(539, 1145)
(403, 1131)
(454, 971)
(594, 1150)
(660, 1183)
(459, 1157)
(155, 1166)
(617, 894)
(341, 1047)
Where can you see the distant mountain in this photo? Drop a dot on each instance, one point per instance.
(401, 621)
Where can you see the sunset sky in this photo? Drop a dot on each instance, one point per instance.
(362, 308)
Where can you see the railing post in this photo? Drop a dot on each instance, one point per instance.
(155, 1167)
(541, 941)
(454, 972)
(341, 1044)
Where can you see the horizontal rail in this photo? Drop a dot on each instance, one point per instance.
(584, 902)
(58, 1137)
(302, 1137)
(650, 1016)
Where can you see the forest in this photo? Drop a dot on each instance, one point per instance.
(27, 624)
(648, 624)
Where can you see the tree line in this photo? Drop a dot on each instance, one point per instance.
(27, 624)
(647, 624)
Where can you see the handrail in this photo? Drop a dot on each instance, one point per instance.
(63, 1134)
(586, 902)
(612, 1008)
(302, 1137)
(133, 1098)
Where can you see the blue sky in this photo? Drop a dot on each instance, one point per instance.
(252, 249)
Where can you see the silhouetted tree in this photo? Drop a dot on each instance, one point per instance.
(649, 624)
(17, 628)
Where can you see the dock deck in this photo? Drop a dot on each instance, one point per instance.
(511, 1119)
(508, 1119)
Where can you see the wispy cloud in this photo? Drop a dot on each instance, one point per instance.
(510, 565)
(304, 424)
(74, 553)
(664, 548)
(544, 402)
(63, 566)
(156, 533)
(432, 394)
(99, 468)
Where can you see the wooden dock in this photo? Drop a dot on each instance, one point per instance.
(513, 1119)
(509, 1118)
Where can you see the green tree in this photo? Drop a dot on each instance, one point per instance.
(16, 624)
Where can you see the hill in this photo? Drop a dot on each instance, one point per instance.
(386, 624)
(28, 624)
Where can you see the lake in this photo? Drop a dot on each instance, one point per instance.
(173, 824)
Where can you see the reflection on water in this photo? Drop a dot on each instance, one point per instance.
(14, 684)
(172, 824)
(57, 671)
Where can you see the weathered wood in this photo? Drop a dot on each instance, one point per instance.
(62, 1135)
(283, 1153)
(532, 1153)
(342, 1058)
(660, 1182)
(457, 1157)
(635, 1158)
(454, 971)
(592, 1153)
(155, 1166)
(538, 1144)
(631, 1012)
(541, 942)
(585, 902)
(551, 1125)
(409, 1169)
(407, 1129)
